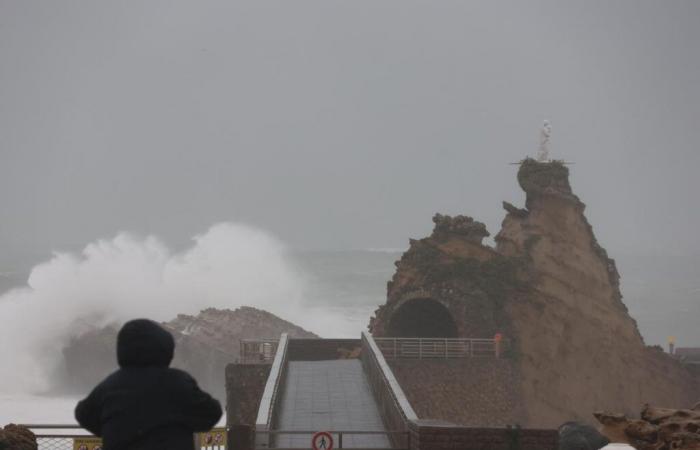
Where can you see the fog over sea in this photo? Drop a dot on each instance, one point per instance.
(333, 293)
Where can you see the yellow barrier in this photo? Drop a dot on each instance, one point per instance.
(214, 439)
(88, 443)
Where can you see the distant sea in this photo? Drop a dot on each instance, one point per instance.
(662, 293)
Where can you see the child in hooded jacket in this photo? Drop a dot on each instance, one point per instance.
(145, 404)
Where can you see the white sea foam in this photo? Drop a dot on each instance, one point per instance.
(117, 279)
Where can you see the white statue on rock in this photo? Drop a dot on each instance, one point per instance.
(545, 133)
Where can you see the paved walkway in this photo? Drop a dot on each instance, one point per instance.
(326, 396)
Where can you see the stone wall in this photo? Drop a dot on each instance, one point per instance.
(433, 435)
(470, 392)
(322, 349)
(245, 384)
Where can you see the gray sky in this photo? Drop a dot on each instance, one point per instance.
(342, 124)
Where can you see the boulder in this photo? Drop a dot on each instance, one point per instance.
(578, 436)
(658, 428)
(17, 437)
(613, 426)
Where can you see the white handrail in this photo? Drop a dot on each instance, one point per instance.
(388, 375)
(445, 348)
(267, 402)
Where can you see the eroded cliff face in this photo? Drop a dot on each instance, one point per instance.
(205, 344)
(549, 287)
(579, 349)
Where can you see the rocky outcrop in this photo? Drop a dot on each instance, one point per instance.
(446, 226)
(657, 429)
(551, 289)
(205, 344)
(580, 436)
(450, 284)
(17, 437)
(579, 348)
(89, 358)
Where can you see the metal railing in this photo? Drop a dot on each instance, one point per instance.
(64, 437)
(258, 351)
(436, 348)
(340, 438)
(57, 436)
(266, 410)
(394, 407)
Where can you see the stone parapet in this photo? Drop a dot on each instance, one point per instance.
(245, 384)
(436, 435)
(323, 349)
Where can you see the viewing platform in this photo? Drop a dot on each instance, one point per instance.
(348, 389)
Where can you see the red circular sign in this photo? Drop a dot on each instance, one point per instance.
(322, 441)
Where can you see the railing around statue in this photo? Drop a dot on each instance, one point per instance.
(258, 351)
(437, 348)
(74, 437)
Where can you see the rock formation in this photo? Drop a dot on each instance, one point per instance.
(449, 285)
(205, 344)
(17, 437)
(552, 290)
(657, 429)
(578, 436)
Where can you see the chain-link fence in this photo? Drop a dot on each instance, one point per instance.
(57, 436)
(55, 442)
(72, 437)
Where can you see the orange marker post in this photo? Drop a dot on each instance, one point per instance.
(497, 344)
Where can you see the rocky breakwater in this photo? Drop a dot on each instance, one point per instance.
(548, 287)
(205, 344)
(657, 428)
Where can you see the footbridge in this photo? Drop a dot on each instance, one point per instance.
(344, 394)
(340, 386)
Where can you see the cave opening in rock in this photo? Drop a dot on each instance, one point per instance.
(424, 318)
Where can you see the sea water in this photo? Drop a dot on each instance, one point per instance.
(345, 287)
(342, 290)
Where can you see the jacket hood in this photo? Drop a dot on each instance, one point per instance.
(144, 343)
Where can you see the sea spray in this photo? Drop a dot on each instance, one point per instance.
(113, 280)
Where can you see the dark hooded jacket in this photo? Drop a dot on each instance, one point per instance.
(145, 405)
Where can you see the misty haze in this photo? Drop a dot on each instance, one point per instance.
(243, 171)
